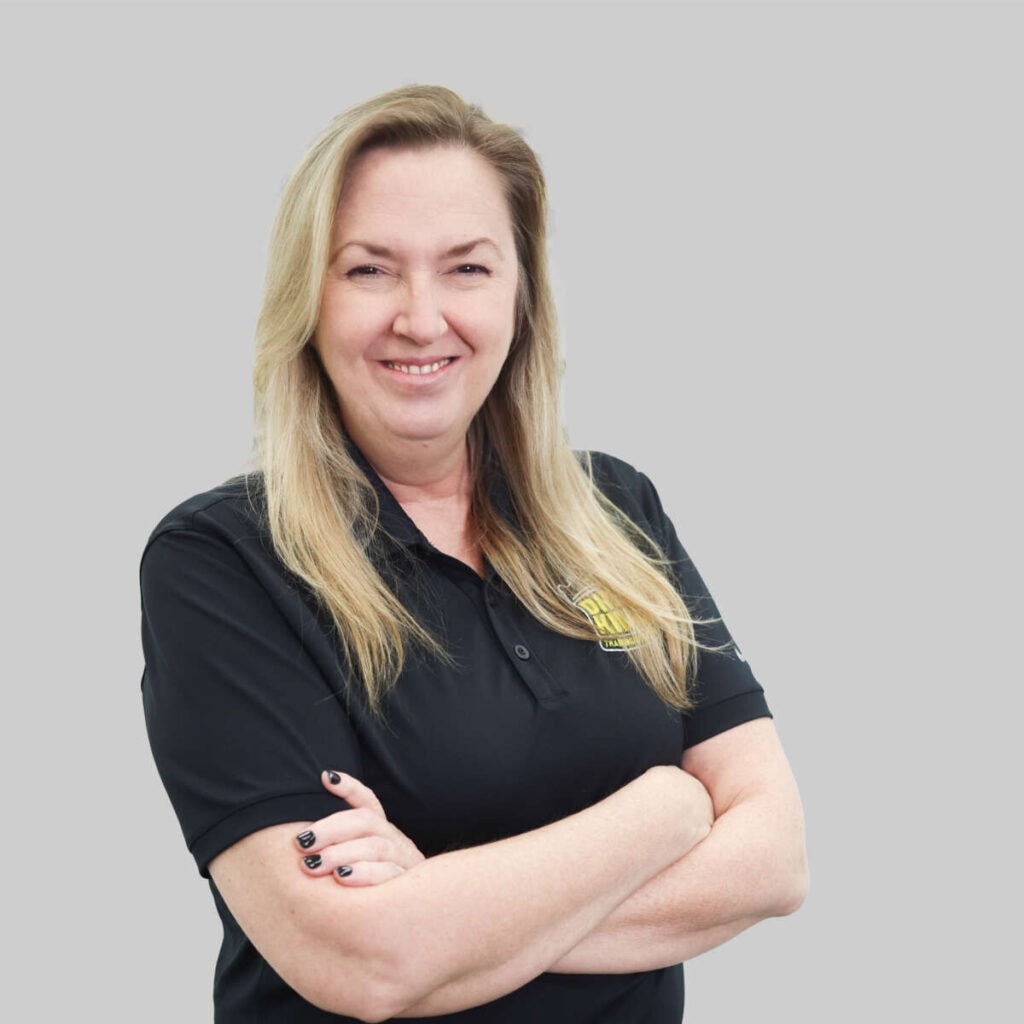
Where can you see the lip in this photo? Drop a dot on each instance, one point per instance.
(417, 377)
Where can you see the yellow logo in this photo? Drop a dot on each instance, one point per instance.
(613, 630)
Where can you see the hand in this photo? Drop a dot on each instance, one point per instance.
(697, 807)
(359, 846)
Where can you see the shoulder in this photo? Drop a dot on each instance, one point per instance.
(627, 488)
(233, 510)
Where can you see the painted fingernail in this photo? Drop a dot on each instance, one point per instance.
(314, 860)
(344, 871)
(306, 839)
(334, 778)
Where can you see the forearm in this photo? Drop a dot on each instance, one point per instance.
(750, 867)
(465, 927)
(512, 909)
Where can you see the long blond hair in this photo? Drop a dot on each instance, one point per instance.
(569, 538)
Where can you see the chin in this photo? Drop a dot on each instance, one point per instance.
(424, 433)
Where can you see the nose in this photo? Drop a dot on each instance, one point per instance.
(419, 317)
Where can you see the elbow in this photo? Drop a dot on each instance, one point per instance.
(386, 995)
(382, 1005)
(368, 998)
(792, 883)
(791, 896)
(368, 974)
(389, 997)
(366, 995)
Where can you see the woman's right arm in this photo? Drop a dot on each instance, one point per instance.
(242, 711)
(462, 928)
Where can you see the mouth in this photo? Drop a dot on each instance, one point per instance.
(420, 369)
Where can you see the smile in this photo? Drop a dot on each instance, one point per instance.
(417, 369)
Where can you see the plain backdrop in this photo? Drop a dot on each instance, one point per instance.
(788, 245)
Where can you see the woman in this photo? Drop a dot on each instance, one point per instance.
(446, 713)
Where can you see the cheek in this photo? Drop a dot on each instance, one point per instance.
(348, 327)
(490, 318)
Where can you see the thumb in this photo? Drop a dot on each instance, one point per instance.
(352, 791)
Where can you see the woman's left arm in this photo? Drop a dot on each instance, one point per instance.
(752, 865)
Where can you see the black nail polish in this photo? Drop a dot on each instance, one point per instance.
(344, 871)
(334, 778)
(306, 840)
(314, 860)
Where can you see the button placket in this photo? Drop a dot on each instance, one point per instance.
(511, 626)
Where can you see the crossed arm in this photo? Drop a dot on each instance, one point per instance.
(666, 885)
(751, 866)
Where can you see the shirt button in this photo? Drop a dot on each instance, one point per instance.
(521, 652)
(492, 598)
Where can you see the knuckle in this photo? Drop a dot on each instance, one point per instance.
(365, 819)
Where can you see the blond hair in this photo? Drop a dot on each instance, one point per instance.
(321, 509)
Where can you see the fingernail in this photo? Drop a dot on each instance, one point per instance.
(314, 860)
(334, 778)
(344, 871)
(306, 840)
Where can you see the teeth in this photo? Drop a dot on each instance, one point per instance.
(416, 370)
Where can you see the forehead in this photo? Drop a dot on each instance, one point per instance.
(393, 194)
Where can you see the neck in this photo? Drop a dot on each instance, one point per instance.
(436, 494)
(421, 471)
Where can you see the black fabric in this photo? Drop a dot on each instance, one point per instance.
(246, 702)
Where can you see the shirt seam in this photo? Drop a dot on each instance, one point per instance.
(239, 809)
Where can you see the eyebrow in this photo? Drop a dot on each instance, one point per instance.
(462, 249)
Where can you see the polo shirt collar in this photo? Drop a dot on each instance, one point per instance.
(393, 518)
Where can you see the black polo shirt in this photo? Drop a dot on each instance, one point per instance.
(246, 703)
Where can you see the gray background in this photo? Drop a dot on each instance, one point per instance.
(787, 245)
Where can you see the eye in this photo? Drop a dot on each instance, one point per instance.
(468, 269)
(366, 270)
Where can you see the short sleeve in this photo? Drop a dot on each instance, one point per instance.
(725, 690)
(241, 719)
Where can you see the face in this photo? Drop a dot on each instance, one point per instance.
(418, 307)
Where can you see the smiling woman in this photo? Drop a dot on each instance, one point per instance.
(412, 336)
(444, 709)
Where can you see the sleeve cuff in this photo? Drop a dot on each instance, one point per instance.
(273, 811)
(710, 721)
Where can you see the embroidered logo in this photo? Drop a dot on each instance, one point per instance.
(613, 631)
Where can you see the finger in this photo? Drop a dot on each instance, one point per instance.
(367, 849)
(365, 873)
(339, 828)
(352, 791)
